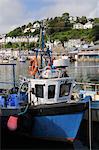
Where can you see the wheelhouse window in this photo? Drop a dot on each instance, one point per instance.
(39, 90)
(64, 89)
(51, 91)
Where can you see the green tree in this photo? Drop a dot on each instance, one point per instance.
(65, 16)
(8, 45)
(78, 20)
(63, 39)
(96, 32)
(29, 25)
(83, 20)
(16, 32)
(96, 20)
(23, 27)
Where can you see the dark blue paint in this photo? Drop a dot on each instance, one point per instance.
(59, 126)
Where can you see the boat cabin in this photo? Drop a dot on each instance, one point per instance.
(47, 91)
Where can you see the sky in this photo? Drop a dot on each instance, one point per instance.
(15, 13)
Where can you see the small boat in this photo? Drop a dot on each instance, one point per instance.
(22, 58)
(11, 59)
(91, 89)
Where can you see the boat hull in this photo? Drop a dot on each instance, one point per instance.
(60, 127)
(58, 122)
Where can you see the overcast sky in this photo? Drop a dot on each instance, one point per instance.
(14, 13)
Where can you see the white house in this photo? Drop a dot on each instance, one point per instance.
(19, 39)
(78, 26)
(2, 40)
(32, 30)
(56, 42)
(72, 19)
(15, 53)
(36, 25)
(33, 39)
(88, 25)
(73, 43)
(49, 44)
(26, 30)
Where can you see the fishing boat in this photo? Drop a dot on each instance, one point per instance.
(57, 116)
(54, 114)
(46, 98)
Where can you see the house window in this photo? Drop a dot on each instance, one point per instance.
(51, 91)
(39, 90)
(64, 89)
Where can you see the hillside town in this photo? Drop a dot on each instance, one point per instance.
(82, 44)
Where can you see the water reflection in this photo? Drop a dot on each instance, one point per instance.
(6, 74)
(85, 71)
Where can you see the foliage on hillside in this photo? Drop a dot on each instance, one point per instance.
(73, 34)
(61, 28)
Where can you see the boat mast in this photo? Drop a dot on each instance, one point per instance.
(42, 42)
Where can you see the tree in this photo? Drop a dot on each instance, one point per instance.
(29, 25)
(78, 19)
(16, 32)
(91, 19)
(65, 16)
(83, 20)
(96, 32)
(32, 45)
(23, 27)
(8, 45)
(63, 39)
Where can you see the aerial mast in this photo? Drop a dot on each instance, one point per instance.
(42, 41)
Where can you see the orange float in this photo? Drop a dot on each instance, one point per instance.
(33, 68)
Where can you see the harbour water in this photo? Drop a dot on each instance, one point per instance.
(85, 71)
(81, 71)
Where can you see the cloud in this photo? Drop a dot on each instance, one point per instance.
(74, 7)
(11, 14)
(14, 13)
(95, 11)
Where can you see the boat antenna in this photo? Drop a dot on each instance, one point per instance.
(42, 41)
(42, 44)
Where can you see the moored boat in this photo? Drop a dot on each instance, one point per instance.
(91, 89)
(22, 58)
(45, 97)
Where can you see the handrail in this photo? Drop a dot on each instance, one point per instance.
(7, 64)
(85, 83)
(94, 66)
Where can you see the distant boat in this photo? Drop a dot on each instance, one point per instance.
(22, 58)
(11, 59)
(91, 89)
(4, 60)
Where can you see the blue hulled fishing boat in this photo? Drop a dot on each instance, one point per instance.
(46, 98)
